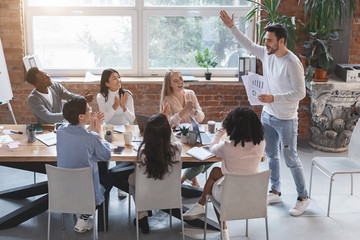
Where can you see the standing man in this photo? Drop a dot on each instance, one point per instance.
(78, 147)
(45, 101)
(285, 76)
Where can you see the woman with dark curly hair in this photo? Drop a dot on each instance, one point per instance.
(241, 154)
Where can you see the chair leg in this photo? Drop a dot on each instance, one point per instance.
(95, 231)
(62, 222)
(48, 233)
(182, 223)
(311, 175)
(104, 217)
(352, 184)
(170, 218)
(267, 230)
(331, 181)
(221, 229)
(205, 225)
(247, 227)
(34, 177)
(137, 225)
(129, 212)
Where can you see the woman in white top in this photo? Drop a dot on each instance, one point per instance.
(183, 104)
(113, 100)
(157, 152)
(117, 104)
(241, 154)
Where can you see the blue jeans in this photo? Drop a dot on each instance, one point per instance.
(284, 132)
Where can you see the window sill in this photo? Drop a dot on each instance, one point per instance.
(154, 80)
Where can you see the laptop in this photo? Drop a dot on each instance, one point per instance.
(203, 137)
(141, 121)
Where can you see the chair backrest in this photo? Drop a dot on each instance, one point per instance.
(158, 194)
(71, 190)
(354, 145)
(244, 196)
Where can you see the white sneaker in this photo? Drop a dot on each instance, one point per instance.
(273, 198)
(122, 194)
(84, 225)
(225, 234)
(196, 211)
(299, 207)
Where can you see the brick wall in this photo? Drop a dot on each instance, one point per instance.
(354, 51)
(212, 97)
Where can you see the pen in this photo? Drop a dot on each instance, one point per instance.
(18, 132)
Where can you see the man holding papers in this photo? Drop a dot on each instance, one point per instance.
(286, 87)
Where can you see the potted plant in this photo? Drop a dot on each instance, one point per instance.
(272, 16)
(320, 18)
(184, 134)
(206, 59)
(108, 136)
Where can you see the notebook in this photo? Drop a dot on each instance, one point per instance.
(203, 138)
(49, 139)
(141, 121)
(200, 153)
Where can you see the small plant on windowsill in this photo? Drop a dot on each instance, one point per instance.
(184, 134)
(206, 59)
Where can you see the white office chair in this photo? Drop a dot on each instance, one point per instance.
(243, 197)
(71, 191)
(331, 166)
(153, 194)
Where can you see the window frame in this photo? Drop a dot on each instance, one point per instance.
(139, 14)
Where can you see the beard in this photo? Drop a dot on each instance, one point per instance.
(273, 49)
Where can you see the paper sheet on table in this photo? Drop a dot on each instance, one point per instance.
(13, 145)
(48, 139)
(5, 139)
(119, 128)
(255, 85)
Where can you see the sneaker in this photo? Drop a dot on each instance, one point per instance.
(300, 206)
(122, 194)
(196, 211)
(273, 198)
(143, 225)
(225, 235)
(84, 225)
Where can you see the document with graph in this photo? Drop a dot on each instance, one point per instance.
(255, 85)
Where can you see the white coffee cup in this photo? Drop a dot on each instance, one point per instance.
(128, 138)
(211, 126)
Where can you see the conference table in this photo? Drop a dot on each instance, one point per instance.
(33, 157)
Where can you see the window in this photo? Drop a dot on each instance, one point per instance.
(139, 38)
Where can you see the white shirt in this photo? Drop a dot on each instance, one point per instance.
(284, 76)
(117, 116)
(47, 96)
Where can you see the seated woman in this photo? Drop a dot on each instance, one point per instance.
(157, 153)
(183, 104)
(116, 103)
(241, 154)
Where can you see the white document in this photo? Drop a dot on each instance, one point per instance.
(5, 139)
(200, 153)
(48, 139)
(255, 85)
(119, 128)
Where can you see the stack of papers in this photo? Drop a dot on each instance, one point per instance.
(200, 153)
(48, 139)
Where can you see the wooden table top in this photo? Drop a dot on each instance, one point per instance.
(39, 152)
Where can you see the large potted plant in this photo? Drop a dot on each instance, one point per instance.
(206, 59)
(320, 19)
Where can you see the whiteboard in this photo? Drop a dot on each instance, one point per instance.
(6, 93)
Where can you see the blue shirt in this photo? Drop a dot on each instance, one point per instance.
(78, 148)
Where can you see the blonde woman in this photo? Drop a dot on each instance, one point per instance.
(182, 104)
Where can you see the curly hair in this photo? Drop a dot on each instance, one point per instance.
(243, 125)
(158, 151)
